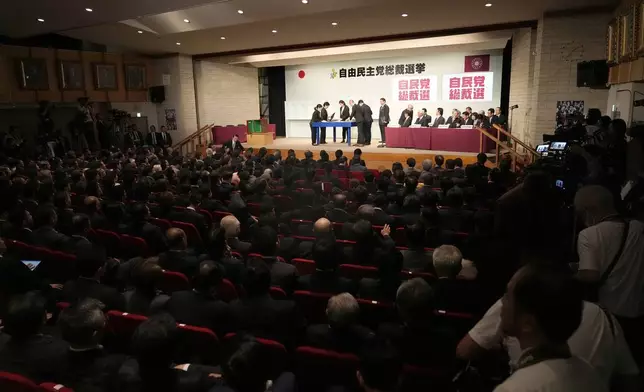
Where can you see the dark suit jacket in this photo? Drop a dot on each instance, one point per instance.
(469, 121)
(438, 121)
(239, 246)
(146, 305)
(229, 144)
(182, 261)
(129, 139)
(82, 288)
(422, 344)
(23, 235)
(49, 238)
(406, 123)
(423, 121)
(212, 205)
(316, 116)
(352, 339)
(326, 282)
(450, 120)
(383, 116)
(265, 317)
(324, 114)
(282, 274)
(39, 358)
(357, 114)
(170, 380)
(64, 224)
(344, 113)
(92, 370)
(375, 289)
(190, 216)
(192, 308)
(152, 235)
(417, 260)
(367, 113)
(456, 219)
(381, 218)
(401, 120)
(338, 215)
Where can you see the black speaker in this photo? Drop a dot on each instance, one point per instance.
(593, 74)
(157, 94)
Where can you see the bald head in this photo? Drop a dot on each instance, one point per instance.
(322, 225)
(339, 200)
(176, 239)
(231, 226)
(594, 203)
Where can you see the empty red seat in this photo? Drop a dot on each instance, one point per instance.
(11, 382)
(304, 266)
(172, 281)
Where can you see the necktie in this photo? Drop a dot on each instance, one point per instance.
(154, 138)
(163, 137)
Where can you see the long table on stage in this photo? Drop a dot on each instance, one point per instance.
(334, 125)
(438, 139)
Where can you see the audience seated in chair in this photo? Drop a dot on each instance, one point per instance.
(326, 278)
(20, 225)
(200, 306)
(450, 292)
(28, 351)
(343, 332)
(385, 286)
(265, 243)
(144, 298)
(420, 339)
(232, 228)
(45, 235)
(91, 265)
(368, 244)
(140, 227)
(416, 258)
(338, 213)
(88, 366)
(179, 258)
(80, 228)
(258, 313)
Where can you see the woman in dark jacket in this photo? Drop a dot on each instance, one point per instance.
(315, 117)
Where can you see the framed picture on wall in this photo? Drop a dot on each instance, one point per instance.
(639, 28)
(135, 77)
(32, 74)
(71, 75)
(611, 42)
(105, 76)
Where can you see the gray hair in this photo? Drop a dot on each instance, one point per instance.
(447, 260)
(427, 164)
(342, 310)
(594, 203)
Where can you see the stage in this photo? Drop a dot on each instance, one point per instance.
(376, 158)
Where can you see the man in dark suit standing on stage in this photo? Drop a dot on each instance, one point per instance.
(358, 117)
(344, 116)
(233, 144)
(440, 120)
(368, 121)
(325, 117)
(383, 121)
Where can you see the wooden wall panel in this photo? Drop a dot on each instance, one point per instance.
(89, 59)
(116, 95)
(137, 95)
(18, 95)
(71, 55)
(53, 94)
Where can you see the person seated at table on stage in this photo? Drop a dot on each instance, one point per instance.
(440, 120)
(467, 119)
(233, 144)
(457, 120)
(315, 117)
(409, 111)
(344, 116)
(451, 118)
(423, 118)
(407, 121)
(492, 117)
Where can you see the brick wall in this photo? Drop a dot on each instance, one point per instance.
(226, 94)
(558, 44)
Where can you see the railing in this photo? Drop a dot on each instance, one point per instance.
(195, 142)
(524, 159)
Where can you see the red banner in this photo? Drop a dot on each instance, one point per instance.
(477, 63)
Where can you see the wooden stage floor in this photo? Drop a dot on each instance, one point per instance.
(376, 158)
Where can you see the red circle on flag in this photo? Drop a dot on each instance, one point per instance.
(301, 74)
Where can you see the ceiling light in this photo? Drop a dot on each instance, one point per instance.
(222, 37)
(488, 5)
(334, 23)
(240, 12)
(140, 31)
(305, 1)
(41, 20)
(274, 31)
(178, 43)
(187, 20)
(89, 9)
(404, 15)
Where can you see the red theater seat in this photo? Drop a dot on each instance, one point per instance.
(226, 291)
(162, 224)
(325, 367)
(133, 246)
(172, 281)
(53, 387)
(16, 383)
(312, 305)
(198, 345)
(194, 238)
(304, 266)
(357, 272)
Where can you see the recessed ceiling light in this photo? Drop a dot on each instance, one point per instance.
(404, 15)
(274, 31)
(488, 5)
(222, 37)
(140, 31)
(305, 1)
(187, 20)
(178, 43)
(89, 9)
(334, 23)
(240, 12)
(41, 20)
